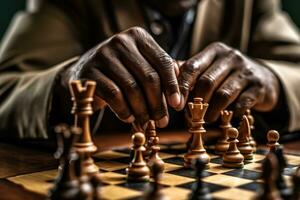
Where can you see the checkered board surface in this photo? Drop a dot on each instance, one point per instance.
(177, 182)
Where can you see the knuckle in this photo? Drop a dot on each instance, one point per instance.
(235, 56)
(136, 31)
(223, 94)
(207, 81)
(119, 40)
(152, 78)
(115, 94)
(191, 67)
(165, 60)
(219, 45)
(131, 85)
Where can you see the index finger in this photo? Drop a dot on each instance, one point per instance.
(192, 68)
(162, 63)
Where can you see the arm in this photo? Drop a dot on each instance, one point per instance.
(38, 38)
(276, 41)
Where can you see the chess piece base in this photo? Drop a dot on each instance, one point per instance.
(138, 173)
(233, 165)
(192, 156)
(221, 148)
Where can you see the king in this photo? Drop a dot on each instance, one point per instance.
(197, 150)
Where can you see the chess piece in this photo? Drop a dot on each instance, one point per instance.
(150, 134)
(233, 158)
(243, 145)
(269, 174)
(154, 156)
(82, 98)
(273, 137)
(59, 130)
(222, 144)
(285, 192)
(251, 122)
(155, 192)
(201, 191)
(66, 186)
(198, 110)
(96, 182)
(138, 169)
(296, 183)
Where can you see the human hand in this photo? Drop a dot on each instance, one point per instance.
(135, 77)
(224, 77)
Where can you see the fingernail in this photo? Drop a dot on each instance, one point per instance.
(130, 119)
(163, 122)
(174, 100)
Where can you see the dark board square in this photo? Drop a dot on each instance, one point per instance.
(262, 151)
(125, 160)
(120, 171)
(189, 173)
(175, 160)
(123, 150)
(244, 173)
(173, 151)
(212, 187)
(139, 186)
(253, 186)
(217, 160)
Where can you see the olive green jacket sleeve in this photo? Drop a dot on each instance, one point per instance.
(37, 40)
(276, 41)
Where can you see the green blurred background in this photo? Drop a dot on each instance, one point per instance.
(9, 7)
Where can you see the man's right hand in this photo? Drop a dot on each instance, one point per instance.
(134, 75)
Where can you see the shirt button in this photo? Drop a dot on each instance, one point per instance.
(156, 28)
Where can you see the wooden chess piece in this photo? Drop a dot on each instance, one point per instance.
(59, 130)
(82, 98)
(273, 137)
(296, 184)
(154, 156)
(251, 122)
(201, 191)
(96, 182)
(155, 192)
(138, 169)
(285, 191)
(66, 186)
(150, 134)
(198, 110)
(222, 144)
(86, 190)
(244, 145)
(233, 158)
(269, 174)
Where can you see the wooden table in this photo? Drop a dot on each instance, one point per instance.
(26, 157)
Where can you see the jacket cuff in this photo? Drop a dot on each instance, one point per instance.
(289, 75)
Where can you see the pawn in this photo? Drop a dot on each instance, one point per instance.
(200, 192)
(233, 158)
(222, 144)
(96, 183)
(269, 174)
(244, 144)
(273, 137)
(280, 183)
(296, 183)
(138, 169)
(251, 122)
(155, 192)
(154, 156)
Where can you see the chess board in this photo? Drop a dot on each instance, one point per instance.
(177, 181)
